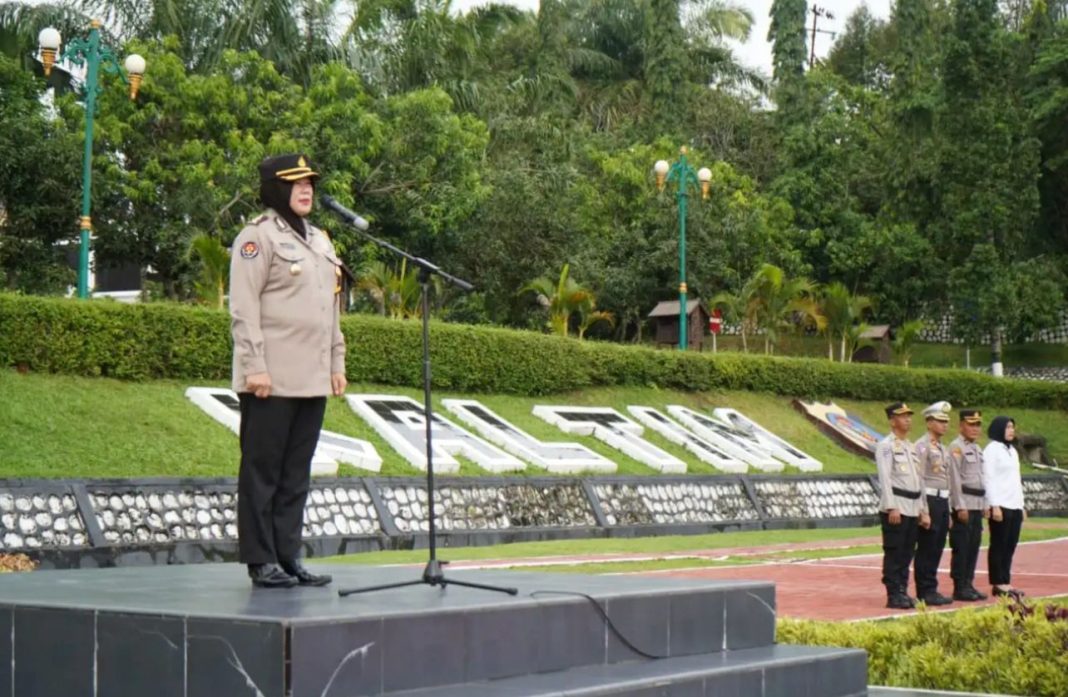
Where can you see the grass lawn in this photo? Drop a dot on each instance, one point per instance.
(923, 355)
(853, 541)
(62, 426)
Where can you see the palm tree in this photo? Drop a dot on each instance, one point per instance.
(782, 303)
(20, 23)
(611, 89)
(214, 269)
(905, 337)
(740, 308)
(589, 315)
(294, 35)
(395, 294)
(561, 299)
(842, 310)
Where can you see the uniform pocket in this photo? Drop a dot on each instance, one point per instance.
(288, 265)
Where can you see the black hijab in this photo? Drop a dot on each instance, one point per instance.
(996, 430)
(275, 194)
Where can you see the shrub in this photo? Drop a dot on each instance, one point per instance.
(998, 649)
(150, 341)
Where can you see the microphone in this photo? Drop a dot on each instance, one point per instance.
(345, 213)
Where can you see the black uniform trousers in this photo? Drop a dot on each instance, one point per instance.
(899, 544)
(964, 539)
(1003, 539)
(930, 543)
(278, 439)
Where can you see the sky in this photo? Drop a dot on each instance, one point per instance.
(756, 53)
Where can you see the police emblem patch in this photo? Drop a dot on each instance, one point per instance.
(249, 250)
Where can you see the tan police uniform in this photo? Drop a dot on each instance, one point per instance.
(931, 541)
(284, 312)
(284, 308)
(901, 489)
(900, 481)
(966, 493)
(966, 476)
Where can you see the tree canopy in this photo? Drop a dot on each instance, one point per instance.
(922, 168)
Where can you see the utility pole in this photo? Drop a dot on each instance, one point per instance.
(817, 12)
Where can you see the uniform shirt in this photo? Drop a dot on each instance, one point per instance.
(283, 307)
(934, 462)
(1001, 476)
(965, 469)
(898, 466)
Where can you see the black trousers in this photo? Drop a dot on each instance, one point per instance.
(964, 539)
(278, 439)
(1003, 539)
(899, 544)
(930, 543)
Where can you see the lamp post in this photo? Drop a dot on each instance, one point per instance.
(94, 56)
(684, 176)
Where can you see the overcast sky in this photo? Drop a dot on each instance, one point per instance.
(756, 52)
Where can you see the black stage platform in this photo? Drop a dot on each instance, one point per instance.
(202, 631)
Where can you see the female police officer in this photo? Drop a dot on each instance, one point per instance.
(289, 354)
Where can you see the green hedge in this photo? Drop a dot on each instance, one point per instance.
(992, 650)
(147, 341)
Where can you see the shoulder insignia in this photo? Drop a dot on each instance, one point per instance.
(956, 452)
(250, 250)
(259, 220)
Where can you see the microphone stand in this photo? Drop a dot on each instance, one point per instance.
(433, 574)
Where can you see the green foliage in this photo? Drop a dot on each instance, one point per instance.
(988, 650)
(787, 33)
(146, 341)
(843, 311)
(500, 143)
(561, 299)
(214, 263)
(39, 184)
(905, 339)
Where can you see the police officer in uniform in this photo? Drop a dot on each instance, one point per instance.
(967, 501)
(931, 542)
(289, 354)
(902, 505)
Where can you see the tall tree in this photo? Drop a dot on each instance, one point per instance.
(859, 53)
(787, 35)
(665, 66)
(909, 151)
(39, 186)
(989, 171)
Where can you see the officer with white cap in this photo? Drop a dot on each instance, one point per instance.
(934, 464)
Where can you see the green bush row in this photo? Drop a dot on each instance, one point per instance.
(146, 341)
(990, 650)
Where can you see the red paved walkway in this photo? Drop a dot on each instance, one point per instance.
(849, 588)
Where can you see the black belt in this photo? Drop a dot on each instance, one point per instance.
(905, 493)
(973, 492)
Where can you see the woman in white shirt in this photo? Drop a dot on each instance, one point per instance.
(1004, 495)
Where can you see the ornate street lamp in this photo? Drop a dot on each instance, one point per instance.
(94, 56)
(684, 176)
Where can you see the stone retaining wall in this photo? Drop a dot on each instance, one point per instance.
(97, 522)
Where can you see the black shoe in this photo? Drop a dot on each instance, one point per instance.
(900, 602)
(1008, 593)
(303, 576)
(968, 595)
(936, 598)
(978, 595)
(270, 576)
